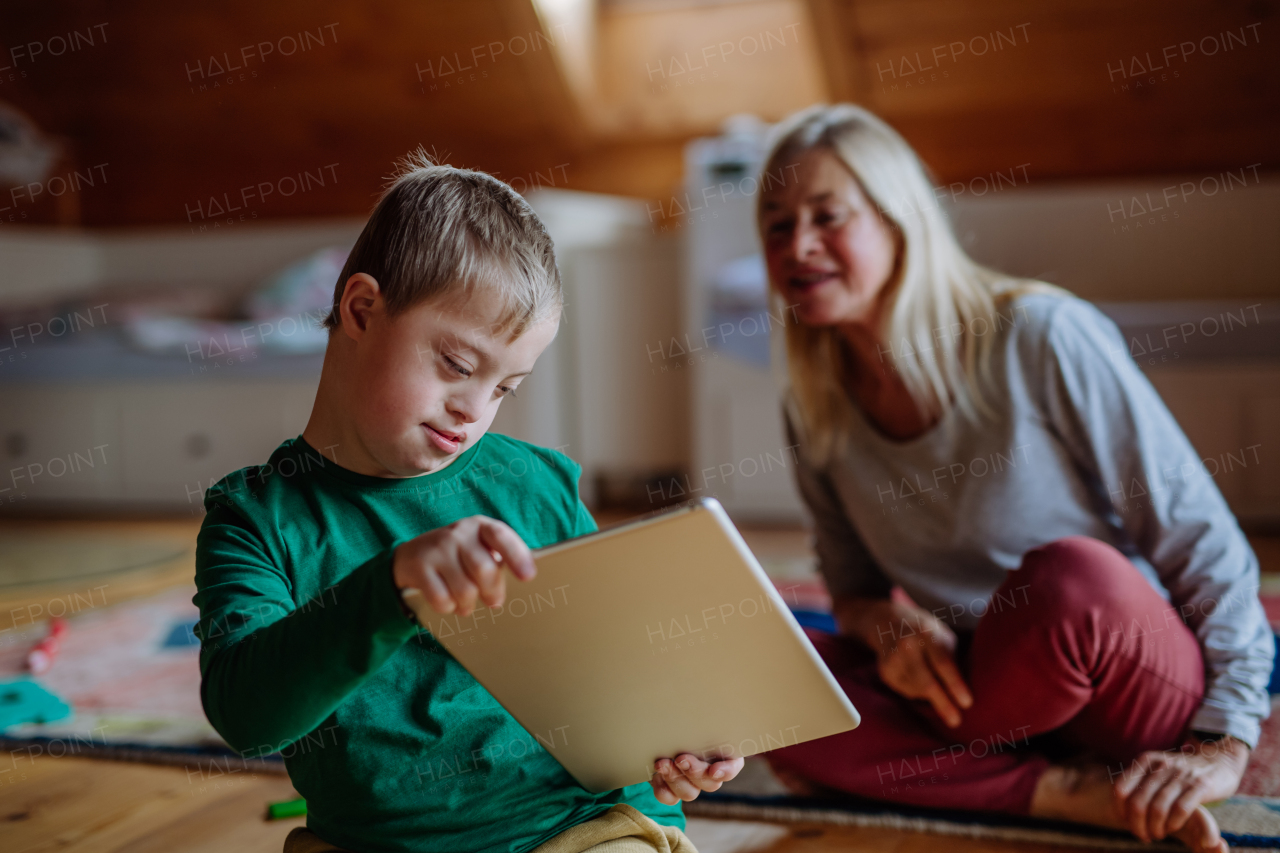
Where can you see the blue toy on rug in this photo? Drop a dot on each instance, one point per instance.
(24, 701)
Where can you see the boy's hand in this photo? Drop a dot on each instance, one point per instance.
(689, 775)
(453, 566)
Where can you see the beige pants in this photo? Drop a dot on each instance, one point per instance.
(621, 829)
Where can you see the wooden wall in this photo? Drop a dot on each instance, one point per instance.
(1077, 88)
(179, 106)
(388, 77)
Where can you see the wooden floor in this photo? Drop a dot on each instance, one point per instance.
(83, 805)
(80, 805)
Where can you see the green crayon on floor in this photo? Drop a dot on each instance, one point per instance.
(286, 808)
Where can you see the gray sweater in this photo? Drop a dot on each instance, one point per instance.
(1081, 445)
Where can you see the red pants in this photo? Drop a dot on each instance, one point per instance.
(1074, 645)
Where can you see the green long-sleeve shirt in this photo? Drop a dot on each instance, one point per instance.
(305, 650)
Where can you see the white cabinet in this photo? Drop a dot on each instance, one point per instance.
(1231, 414)
(177, 440)
(155, 445)
(58, 445)
(1262, 428)
(739, 452)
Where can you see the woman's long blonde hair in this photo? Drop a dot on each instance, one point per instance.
(937, 290)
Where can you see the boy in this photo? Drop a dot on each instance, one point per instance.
(447, 299)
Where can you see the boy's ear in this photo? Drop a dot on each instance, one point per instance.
(361, 298)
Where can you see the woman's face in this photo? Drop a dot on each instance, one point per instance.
(828, 250)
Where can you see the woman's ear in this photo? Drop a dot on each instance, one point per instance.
(361, 299)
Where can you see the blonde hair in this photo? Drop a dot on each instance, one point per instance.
(438, 230)
(937, 288)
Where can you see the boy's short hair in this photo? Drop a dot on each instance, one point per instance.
(438, 229)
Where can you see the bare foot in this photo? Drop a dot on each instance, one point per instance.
(1085, 795)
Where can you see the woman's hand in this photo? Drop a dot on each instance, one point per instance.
(1161, 790)
(916, 652)
(688, 775)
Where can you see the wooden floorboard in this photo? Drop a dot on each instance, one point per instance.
(82, 805)
(96, 806)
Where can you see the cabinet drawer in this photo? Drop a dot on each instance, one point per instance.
(178, 439)
(58, 443)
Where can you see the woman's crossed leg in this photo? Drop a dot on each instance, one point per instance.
(1075, 645)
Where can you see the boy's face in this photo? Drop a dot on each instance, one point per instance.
(426, 384)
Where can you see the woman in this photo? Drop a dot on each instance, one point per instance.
(1080, 635)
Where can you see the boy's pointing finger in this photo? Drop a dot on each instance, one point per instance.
(483, 571)
(498, 537)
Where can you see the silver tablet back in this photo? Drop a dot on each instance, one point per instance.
(644, 641)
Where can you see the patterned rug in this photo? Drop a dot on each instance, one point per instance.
(1245, 821)
(131, 672)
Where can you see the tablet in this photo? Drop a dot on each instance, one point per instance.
(640, 642)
